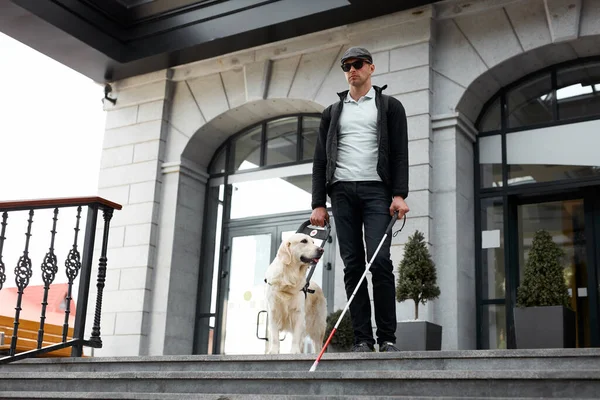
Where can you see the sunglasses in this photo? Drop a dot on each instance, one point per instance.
(358, 64)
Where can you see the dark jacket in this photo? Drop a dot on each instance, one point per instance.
(392, 144)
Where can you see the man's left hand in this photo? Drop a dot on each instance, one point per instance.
(398, 204)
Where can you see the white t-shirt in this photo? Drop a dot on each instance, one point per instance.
(357, 141)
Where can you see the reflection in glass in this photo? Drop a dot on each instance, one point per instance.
(530, 103)
(491, 119)
(207, 296)
(247, 148)
(493, 276)
(282, 136)
(554, 153)
(206, 337)
(490, 161)
(310, 132)
(271, 196)
(565, 221)
(217, 252)
(494, 327)
(250, 257)
(578, 93)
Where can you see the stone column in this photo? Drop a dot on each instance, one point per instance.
(175, 284)
(130, 174)
(453, 229)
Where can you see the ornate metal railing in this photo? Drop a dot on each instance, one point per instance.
(75, 266)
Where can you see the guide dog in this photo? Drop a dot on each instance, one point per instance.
(289, 308)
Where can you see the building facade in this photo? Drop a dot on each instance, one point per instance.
(212, 162)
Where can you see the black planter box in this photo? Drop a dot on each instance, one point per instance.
(544, 327)
(418, 335)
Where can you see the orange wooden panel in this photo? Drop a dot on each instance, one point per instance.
(26, 325)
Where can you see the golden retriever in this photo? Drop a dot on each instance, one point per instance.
(288, 309)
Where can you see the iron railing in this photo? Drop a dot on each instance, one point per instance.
(74, 266)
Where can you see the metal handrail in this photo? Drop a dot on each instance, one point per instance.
(75, 266)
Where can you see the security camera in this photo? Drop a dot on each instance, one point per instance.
(107, 90)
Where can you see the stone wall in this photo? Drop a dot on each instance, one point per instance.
(479, 47)
(441, 62)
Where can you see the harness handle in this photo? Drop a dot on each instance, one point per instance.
(313, 233)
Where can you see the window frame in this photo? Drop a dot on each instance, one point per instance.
(509, 194)
(227, 146)
(556, 120)
(222, 179)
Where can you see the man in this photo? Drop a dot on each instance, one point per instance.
(361, 161)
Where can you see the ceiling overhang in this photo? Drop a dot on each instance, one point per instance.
(108, 40)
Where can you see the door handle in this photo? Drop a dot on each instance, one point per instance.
(328, 266)
(224, 274)
(258, 324)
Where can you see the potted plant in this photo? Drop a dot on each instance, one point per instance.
(543, 317)
(417, 281)
(343, 340)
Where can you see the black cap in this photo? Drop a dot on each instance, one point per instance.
(357, 52)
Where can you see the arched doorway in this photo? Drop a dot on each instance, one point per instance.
(537, 167)
(259, 192)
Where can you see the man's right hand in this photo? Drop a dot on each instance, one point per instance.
(319, 216)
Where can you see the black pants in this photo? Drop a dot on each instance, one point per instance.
(355, 204)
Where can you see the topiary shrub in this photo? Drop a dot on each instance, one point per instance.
(417, 277)
(543, 283)
(343, 339)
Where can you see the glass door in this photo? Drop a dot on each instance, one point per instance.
(249, 255)
(250, 248)
(570, 222)
(322, 275)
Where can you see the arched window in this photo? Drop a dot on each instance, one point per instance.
(259, 189)
(563, 93)
(277, 142)
(267, 167)
(537, 166)
(523, 128)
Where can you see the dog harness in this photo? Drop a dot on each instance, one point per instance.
(305, 289)
(323, 235)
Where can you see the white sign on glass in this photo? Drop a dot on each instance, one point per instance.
(490, 239)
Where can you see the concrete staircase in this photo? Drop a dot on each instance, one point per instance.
(473, 374)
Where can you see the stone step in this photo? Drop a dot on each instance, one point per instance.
(478, 360)
(165, 396)
(482, 384)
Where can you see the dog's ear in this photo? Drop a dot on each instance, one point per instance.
(284, 253)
